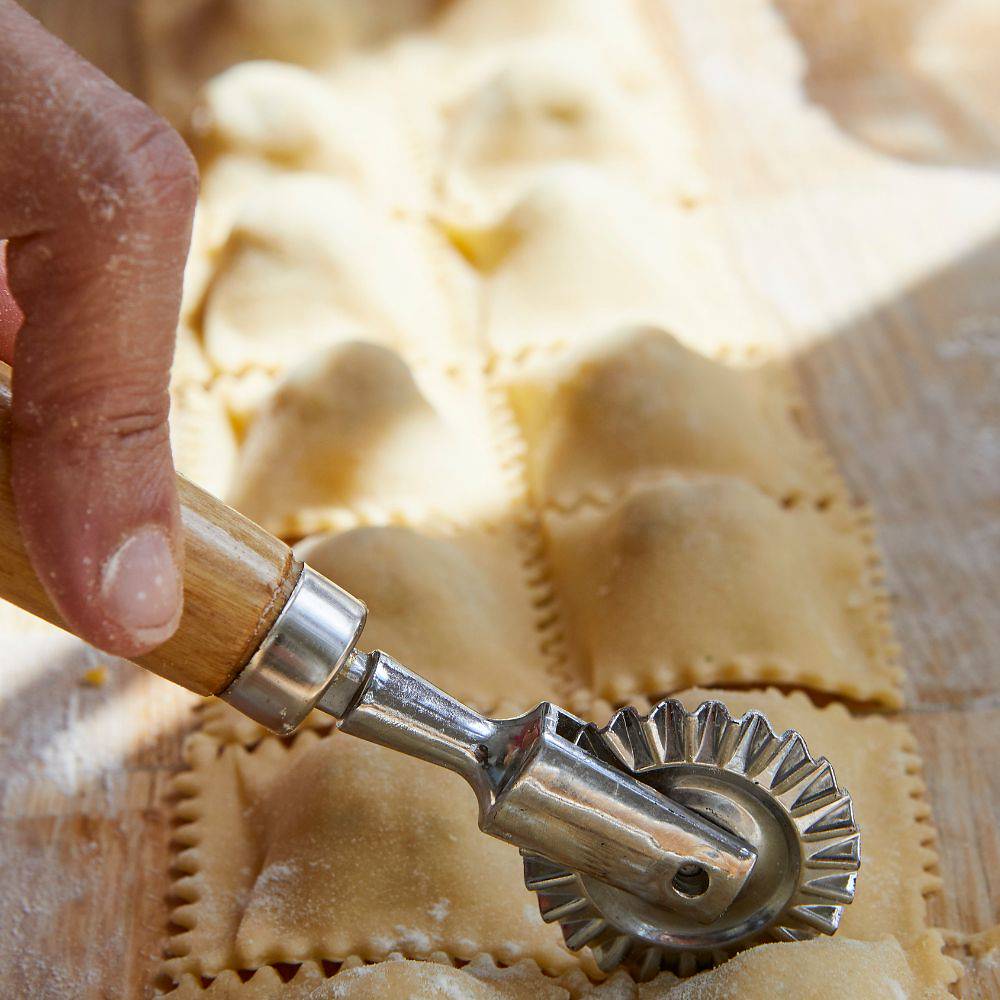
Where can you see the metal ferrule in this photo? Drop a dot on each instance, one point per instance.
(312, 638)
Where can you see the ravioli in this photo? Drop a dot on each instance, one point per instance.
(307, 265)
(291, 119)
(639, 403)
(455, 610)
(304, 879)
(709, 580)
(550, 105)
(580, 253)
(355, 435)
(462, 314)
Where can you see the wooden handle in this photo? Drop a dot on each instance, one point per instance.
(237, 578)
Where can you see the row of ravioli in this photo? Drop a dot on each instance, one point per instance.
(327, 847)
(490, 92)
(834, 969)
(520, 143)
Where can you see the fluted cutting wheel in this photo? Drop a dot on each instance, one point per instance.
(748, 780)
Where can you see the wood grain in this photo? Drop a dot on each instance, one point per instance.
(902, 387)
(102, 31)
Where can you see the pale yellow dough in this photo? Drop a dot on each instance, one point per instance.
(309, 264)
(202, 437)
(477, 29)
(640, 403)
(397, 979)
(291, 119)
(580, 254)
(817, 970)
(825, 969)
(336, 847)
(556, 103)
(708, 580)
(354, 435)
(455, 610)
(459, 298)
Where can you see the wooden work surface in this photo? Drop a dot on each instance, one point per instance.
(889, 282)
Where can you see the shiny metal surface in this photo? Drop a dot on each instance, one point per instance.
(310, 641)
(742, 777)
(539, 790)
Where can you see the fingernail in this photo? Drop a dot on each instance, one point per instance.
(141, 586)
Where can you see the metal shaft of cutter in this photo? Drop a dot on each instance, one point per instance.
(539, 791)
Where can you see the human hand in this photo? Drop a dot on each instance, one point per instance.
(97, 195)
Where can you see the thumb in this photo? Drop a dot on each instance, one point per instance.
(10, 315)
(95, 261)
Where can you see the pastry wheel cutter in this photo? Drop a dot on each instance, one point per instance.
(664, 840)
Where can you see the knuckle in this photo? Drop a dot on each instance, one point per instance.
(136, 173)
(158, 158)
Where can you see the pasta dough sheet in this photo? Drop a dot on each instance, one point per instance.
(280, 867)
(400, 368)
(707, 579)
(308, 264)
(202, 437)
(289, 119)
(398, 979)
(459, 299)
(826, 969)
(481, 28)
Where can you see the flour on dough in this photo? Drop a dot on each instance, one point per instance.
(707, 580)
(823, 969)
(335, 847)
(432, 383)
(293, 119)
(454, 609)
(270, 882)
(396, 979)
(486, 32)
